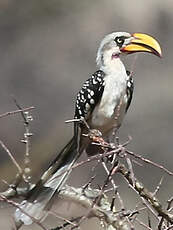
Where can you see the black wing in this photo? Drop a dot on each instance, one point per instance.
(89, 95)
(129, 89)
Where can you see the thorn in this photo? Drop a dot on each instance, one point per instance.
(28, 135)
(112, 203)
(85, 186)
(23, 141)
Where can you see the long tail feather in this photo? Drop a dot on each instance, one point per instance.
(51, 181)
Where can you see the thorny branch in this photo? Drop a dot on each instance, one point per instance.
(11, 156)
(144, 193)
(86, 198)
(17, 111)
(96, 201)
(23, 172)
(14, 204)
(27, 118)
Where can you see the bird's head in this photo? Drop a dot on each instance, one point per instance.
(118, 43)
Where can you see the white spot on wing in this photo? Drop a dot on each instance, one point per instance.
(92, 101)
(94, 81)
(92, 93)
(87, 106)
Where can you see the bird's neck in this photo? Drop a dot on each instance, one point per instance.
(112, 65)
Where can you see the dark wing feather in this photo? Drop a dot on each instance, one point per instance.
(129, 89)
(89, 95)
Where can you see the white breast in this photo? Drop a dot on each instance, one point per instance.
(111, 109)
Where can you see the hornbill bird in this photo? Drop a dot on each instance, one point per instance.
(102, 102)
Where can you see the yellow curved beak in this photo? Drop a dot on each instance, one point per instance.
(143, 43)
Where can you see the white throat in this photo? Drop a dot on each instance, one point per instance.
(111, 64)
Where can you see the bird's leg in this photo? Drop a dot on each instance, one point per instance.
(113, 142)
(112, 137)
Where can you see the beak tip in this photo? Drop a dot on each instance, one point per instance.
(159, 54)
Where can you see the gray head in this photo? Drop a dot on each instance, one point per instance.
(117, 43)
(112, 43)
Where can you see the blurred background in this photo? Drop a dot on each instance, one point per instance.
(47, 51)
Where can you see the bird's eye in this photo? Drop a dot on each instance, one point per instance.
(119, 40)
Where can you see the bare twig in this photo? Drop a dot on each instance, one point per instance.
(130, 167)
(142, 224)
(73, 120)
(67, 222)
(150, 208)
(137, 156)
(148, 196)
(169, 203)
(158, 187)
(100, 210)
(114, 186)
(81, 120)
(98, 156)
(16, 205)
(27, 118)
(17, 111)
(11, 157)
(97, 200)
